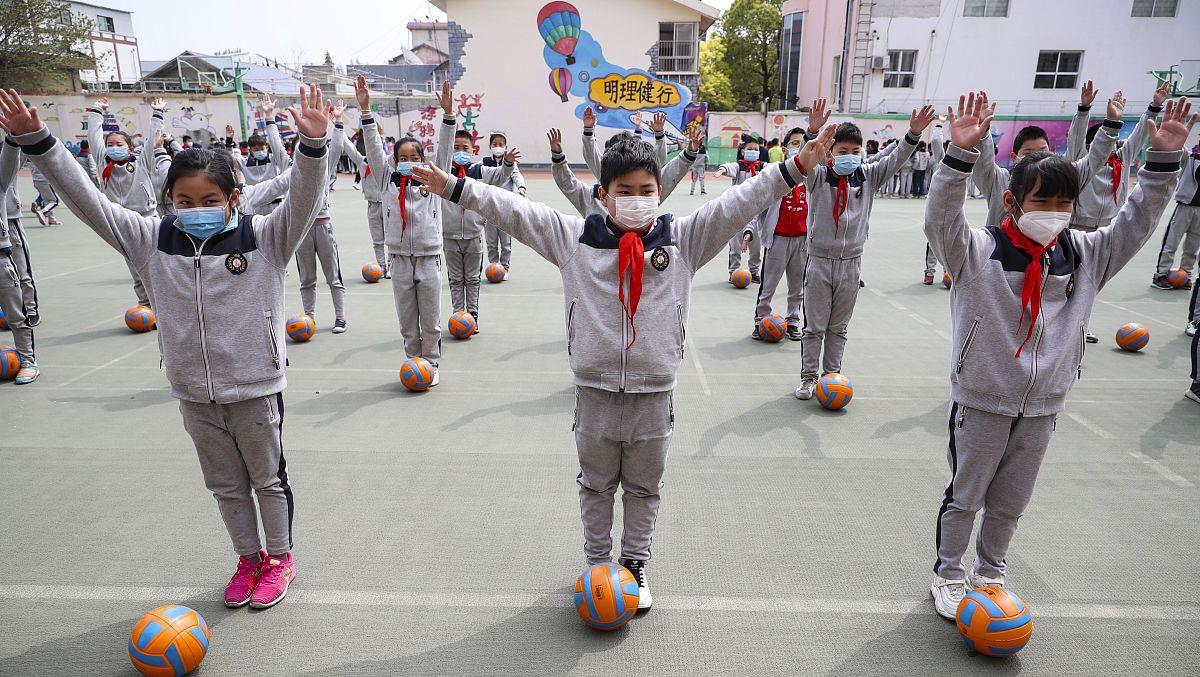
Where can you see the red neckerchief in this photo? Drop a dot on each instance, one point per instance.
(1031, 293)
(750, 167)
(107, 172)
(403, 212)
(841, 199)
(1117, 167)
(461, 172)
(631, 256)
(366, 170)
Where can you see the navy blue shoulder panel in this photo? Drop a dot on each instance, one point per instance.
(855, 180)
(1064, 258)
(597, 234)
(174, 242)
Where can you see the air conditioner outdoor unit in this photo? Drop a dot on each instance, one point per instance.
(878, 63)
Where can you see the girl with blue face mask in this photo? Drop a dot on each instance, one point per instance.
(747, 166)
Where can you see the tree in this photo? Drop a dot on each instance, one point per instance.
(715, 87)
(750, 31)
(39, 39)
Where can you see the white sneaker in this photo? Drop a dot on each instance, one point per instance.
(637, 567)
(947, 594)
(975, 581)
(808, 386)
(437, 377)
(1191, 327)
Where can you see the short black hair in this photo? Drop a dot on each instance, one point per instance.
(464, 134)
(84, 145)
(872, 146)
(200, 161)
(123, 135)
(620, 137)
(255, 140)
(787, 138)
(407, 140)
(1052, 174)
(847, 132)
(626, 156)
(1091, 133)
(1028, 133)
(921, 145)
(496, 135)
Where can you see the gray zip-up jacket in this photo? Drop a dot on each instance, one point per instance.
(989, 274)
(586, 252)
(260, 197)
(219, 302)
(848, 238)
(418, 231)
(992, 179)
(1189, 186)
(10, 205)
(130, 183)
(593, 153)
(257, 171)
(372, 182)
(459, 223)
(586, 199)
(1097, 204)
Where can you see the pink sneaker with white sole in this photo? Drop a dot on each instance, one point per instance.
(245, 579)
(277, 573)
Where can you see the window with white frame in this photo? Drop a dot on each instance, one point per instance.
(985, 8)
(835, 89)
(105, 23)
(901, 68)
(1166, 8)
(1057, 70)
(678, 48)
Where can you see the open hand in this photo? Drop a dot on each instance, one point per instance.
(813, 153)
(589, 117)
(1087, 94)
(311, 117)
(159, 104)
(972, 121)
(446, 98)
(229, 131)
(818, 115)
(361, 93)
(696, 139)
(921, 119)
(1161, 94)
(15, 117)
(102, 103)
(658, 123)
(432, 176)
(267, 105)
(555, 138)
(512, 156)
(338, 109)
(1177, 122)
(1116, 106)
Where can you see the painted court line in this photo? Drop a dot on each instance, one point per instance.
(1140, 313)
(700, 371)
(1167, 473)
(111, 362)
(1095, 429)
(388, 598)
(43, 278)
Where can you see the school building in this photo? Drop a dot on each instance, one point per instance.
(888, 56)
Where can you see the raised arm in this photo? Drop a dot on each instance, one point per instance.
(674, 171)
(257, 196)
(501, 173)
(658, 125)
(376, 153)
(591, 150)
(444, 153)
(1136, 142)
(1103, 142)
(1077, 134)
(96, 128)
(577, 193)
(878, 172)
(937, 146)
(945, 222)
(280, 232)
(279, 156)
(356, 158)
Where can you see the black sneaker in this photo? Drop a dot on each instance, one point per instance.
(637, 567)
(1192, 394)
(1160, 281)
(793, 333)
(756, 335)
(476, 316)
(861, 284)
(1090, 337)
(33, 318)
(755, 279)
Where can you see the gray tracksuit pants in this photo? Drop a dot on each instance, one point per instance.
(1184, 226)
(735, 255)
(20, 260)
(930, 261)
(499, 246)
(417, 287)
(47, 199)
(994, 463)
(830, 292)
(139, 289)
(698, 175)
(621, 438)
(375, 225)
(786, 256)
(240, 446)
(12, 302)
(464, 268)
(1194, 305)
(319, 245)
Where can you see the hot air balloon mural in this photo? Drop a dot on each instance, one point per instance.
(558, 22)
(560, 82)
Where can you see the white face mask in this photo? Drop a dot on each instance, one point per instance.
(1043, 227)
(634, 212)
(498, 151)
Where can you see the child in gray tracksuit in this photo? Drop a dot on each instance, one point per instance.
(218, 285)
(748, 166)
(625, 335)
(372, 191)
(462, 229)
(499, 243)
(591, 145)
(1022, 296)
(320, 246)
(1184, 226)
(268, 158)
(15, 292)
(412, 230)
(840, 196)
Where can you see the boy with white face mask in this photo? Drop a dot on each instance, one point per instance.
(499, 243)
(1023, 294)
(627, 282)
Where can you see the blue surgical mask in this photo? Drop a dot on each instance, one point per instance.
(793, 151)
(204, 222)
(117, 153)
(405, 167)
(750, 155)
(260, 155)
(462, 158)
(844, 165)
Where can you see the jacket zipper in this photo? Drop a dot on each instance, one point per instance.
(212, 397)
(271, 338)
(624, 343)
(682, 330)
(1037, 339)
(570, 325)
(962, 354)
(1082, 348)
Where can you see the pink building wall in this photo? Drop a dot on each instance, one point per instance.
(823, 38)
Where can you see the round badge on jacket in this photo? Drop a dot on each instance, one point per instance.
(660, 259)
(236, 263)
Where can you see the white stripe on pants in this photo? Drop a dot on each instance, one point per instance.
(464, 268)
(830, 292)
(785, 257)
(499, 245)
(1184, 226)
(994, 462)
(240, 446)
(417, 287)
(319, 244)
(20, 257)
(14, 311)
(735, 255)
(375, 226)
(621, 438)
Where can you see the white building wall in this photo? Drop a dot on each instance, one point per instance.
(957, 53)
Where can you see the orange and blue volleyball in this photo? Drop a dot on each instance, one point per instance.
(741, 278)
(834, 391)
(947, 281)
(169, 641)
(417, 374)
(495, 272)
(1133, 337)
(372, 272)
(772, 328)
(3, 320)
(139, 319)
(1179, 278)
(462, 325)
(606, 596)
(994, 621)
(10, 363)
(301, 328)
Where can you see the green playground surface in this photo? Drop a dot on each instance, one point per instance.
(438, 533)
